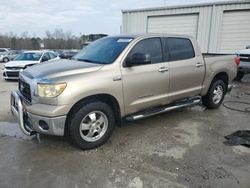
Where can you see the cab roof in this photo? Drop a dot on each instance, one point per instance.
(142, 35)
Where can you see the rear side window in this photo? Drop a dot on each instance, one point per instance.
(46, 57)
(150, 46)
(179, 49)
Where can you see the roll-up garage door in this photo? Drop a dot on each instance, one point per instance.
(174, 24)
(235, 33)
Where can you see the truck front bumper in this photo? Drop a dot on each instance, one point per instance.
(31, 123)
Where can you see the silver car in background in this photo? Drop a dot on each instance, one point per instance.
(3, 50)
(9, 55)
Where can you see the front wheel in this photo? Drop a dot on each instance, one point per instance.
(215, 94)
(91, 125)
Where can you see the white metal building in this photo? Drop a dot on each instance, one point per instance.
(221, 27)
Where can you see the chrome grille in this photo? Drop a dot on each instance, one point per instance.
(25, 90)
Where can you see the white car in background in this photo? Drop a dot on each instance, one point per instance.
(26, 59)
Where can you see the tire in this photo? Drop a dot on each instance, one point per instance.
(5, 60)
(215, 94)
(96, 129)
(239, 76)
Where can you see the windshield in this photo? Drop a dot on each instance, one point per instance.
(32, 56)
(103, 51)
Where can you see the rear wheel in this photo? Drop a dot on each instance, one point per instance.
(91, 125)
(215, 94)
(5, 59)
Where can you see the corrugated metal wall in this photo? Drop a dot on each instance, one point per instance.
(235, 30)
(209, 23)
(178, 24)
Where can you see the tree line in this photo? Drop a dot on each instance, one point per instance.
(58, 39)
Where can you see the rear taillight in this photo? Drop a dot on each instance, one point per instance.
(237, 61)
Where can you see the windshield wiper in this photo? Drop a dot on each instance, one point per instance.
(86, 60)
(89, 61)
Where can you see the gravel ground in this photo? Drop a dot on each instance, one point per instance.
(182, 148)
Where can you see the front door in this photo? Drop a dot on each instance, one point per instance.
(146, 85)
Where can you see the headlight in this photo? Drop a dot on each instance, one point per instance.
(50, 90)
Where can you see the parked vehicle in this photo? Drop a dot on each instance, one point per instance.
(115, 78)
(26, 59)
(86, 44)
(68, 54)
(244, 67)
(2, 50)
(58, 52)
(10, 55)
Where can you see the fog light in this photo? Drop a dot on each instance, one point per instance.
(43, 125)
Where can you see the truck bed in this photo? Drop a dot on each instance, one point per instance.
(208, 55)
(211, 58)
(222, 62)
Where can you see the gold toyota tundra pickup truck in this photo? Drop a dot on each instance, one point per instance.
(119, 78)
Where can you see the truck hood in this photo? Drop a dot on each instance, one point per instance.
(60, 68)
(19, 63)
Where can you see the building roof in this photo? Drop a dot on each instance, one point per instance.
(187, 6)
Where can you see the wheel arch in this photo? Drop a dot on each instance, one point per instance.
(106, 98)
(220, 75)
(6, 58)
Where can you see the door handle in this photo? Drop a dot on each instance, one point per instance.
(199, 64)
(163, 69)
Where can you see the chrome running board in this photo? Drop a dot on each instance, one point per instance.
(160, 110)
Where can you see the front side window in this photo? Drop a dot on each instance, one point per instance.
(152, 47)
(45, 57)
(179, 49)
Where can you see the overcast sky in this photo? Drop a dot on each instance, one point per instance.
(77, 16)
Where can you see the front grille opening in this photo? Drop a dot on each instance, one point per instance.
(12, 74)
(24, 88)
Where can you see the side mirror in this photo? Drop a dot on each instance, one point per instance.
(138, 59)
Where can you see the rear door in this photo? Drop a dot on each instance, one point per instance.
(186, 68)
(146, 85)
